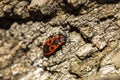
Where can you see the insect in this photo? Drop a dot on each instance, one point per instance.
(53, 44)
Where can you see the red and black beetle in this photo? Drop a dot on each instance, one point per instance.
(53, 44)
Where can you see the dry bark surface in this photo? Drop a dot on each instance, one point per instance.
(91, 50)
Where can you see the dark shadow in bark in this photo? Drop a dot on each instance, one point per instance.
(108, 1)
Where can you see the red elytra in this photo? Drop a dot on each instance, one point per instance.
(53, 44)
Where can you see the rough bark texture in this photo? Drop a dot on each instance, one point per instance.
(92, 49)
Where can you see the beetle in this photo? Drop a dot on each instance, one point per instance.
(53, 44)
